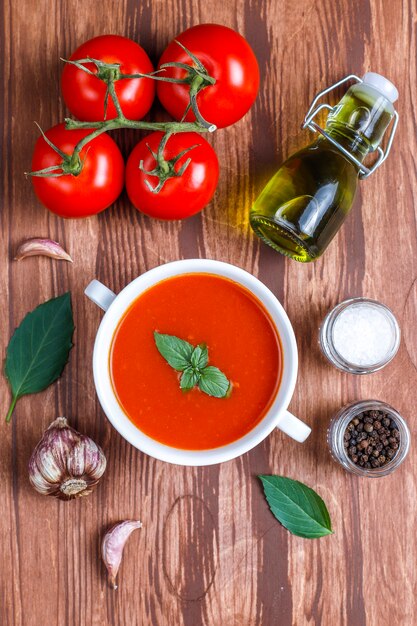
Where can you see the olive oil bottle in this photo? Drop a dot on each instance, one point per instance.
(307, 200)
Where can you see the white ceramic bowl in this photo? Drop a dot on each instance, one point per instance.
(115, 307)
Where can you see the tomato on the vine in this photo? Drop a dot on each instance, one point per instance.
(180, 196)
(93, 189)
(85, 94)
(228, 58)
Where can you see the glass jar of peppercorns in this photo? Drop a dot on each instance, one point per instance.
(368, 438)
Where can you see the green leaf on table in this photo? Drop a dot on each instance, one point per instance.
(39, 348)
(189, 378)
(213, 382)
(199, 357)
(175, 351)
(299, 508)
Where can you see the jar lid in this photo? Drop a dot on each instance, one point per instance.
(381, 84)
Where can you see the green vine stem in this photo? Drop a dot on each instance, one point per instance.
(197, 78)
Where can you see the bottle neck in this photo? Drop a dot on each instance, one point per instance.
(351, 141)
(358, 122)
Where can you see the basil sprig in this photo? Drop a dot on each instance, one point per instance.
(193, 363)
(298, 507)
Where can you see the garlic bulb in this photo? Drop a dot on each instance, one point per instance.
(65, 464)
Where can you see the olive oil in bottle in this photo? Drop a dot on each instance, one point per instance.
(307, 200)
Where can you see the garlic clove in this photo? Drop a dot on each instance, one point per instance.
(43, 247)
(65, 463)
(112, 546)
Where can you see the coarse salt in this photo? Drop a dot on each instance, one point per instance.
(364, 334)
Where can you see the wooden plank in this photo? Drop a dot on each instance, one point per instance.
(210, 553)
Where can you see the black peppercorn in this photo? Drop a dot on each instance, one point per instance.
(371, 439)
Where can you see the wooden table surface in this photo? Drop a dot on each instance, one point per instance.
(210, 551)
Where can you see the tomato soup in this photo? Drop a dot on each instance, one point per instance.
(242, 342)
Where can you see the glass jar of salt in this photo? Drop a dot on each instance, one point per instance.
(360, 336)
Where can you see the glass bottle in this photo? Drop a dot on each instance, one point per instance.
(307, 200)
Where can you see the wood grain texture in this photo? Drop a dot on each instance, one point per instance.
(210, 553)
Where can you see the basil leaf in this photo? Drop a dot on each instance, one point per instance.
(189, 378)
(199, 357)
(39, 348)
(175, 351)
(213, 382)
(299, 508)
(192, 362)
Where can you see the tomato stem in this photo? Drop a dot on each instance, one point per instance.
(162, 163)
(165, 169)
(114, 124)
(196, 77)
(112, 91)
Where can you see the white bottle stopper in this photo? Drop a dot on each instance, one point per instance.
(381, 84)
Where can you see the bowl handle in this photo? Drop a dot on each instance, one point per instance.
(100, 294)
(294, 427)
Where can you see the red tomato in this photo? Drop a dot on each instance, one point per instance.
(96, 187)
(84, 94)
(228, 58)
(181, 196)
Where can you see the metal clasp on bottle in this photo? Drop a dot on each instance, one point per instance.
(314, 109)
